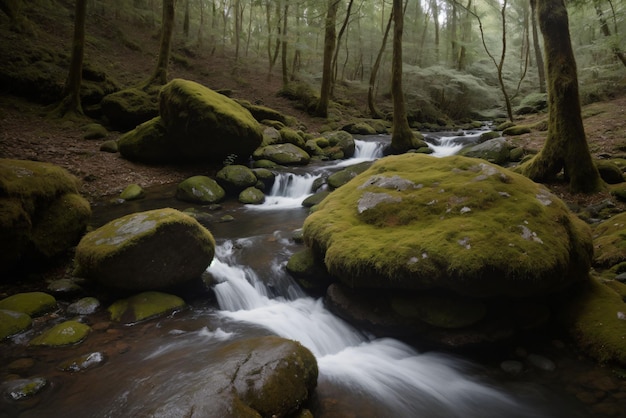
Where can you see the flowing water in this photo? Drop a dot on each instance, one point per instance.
(360, 376)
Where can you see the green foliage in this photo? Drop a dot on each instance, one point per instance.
(455, 93)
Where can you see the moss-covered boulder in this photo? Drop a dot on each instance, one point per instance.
(315, 199)
(148, 143)
(494, 150)
(311, 274)
(341, 177)
(417, 222)
(596, 316)
(609, 240)
(235, 178)
(359, 128)
(12, 322)
(265, 176)
(291, 136)
(283, 154)
(200, 189)
(251, 196)
(341, 140)
(65, 333)
(128, 108)
(42, 214)
(206, 125)
(144, 306)
(610, 172)
(30, 303)
(24, 388)
(145, 251)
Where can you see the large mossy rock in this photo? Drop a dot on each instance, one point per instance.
(128, 108)
(494, 150)
(207, 125)
(42, 214)
(195, 123)
(12, 322)
(418, 222)
(340, 141)
(146, 251)
(283, 154)
(144, 306)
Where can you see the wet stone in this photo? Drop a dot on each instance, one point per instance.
(541, 362)
(21, 364)
(23, 388)
(512, 367)
(83, 362)
(64, 286)
(84, 306)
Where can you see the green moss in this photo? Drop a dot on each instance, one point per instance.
(144, 306)
(35, 180)
(95, 131)
(291, 136)
(66, 333)
(148, 142)
(62, 225)
(133, 192)
(611, 173)
(128, 108)
(200, 189)
(30, 303)
(610, 241)
(594, 317)
(489, 135)
(234, 178)
(12, 322)
(453, 222)
(516, 130)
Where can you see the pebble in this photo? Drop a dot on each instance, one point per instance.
(541, 362)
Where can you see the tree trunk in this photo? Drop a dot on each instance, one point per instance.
(284, 47)
(339, 37)
(402, 137)
(566, 144)
(538, 57)
(70, 102)
(321, 109)
(186, 20)
(237, 6)
(374, 73)
(159, 76)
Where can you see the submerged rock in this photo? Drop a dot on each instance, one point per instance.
(24, 388)
(144, 306)
(146, 250)
(12, 322)
(66, 333)
(30, 303)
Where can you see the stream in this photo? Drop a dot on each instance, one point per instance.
(360, 375)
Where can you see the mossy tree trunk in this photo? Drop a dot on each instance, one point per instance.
(159, 76)
(538, 57)
(402, 136)
(330, 37)
(70, 102)
(566, 144)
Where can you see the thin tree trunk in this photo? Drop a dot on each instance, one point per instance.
(330, 38)
(70, 101)
(284, 47)
(538, 56)
(186, 20)
(237, 28)
(466, 33)
(201, 26)
(566, 144)
(374, 73)
(342, 30)
(167, 28)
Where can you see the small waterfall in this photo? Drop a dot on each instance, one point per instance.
(402, 381)
(446, 145)
(370, 150)
(288, 191)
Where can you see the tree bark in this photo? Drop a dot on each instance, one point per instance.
(402, 137)
(330, 38)
(285, 68)
(70, 101)
(159, 77)
(538, 57)
(606, 31)
(566, 144)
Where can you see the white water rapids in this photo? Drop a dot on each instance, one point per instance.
(400, 381)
